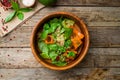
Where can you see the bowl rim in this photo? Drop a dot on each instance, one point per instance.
(63, 67)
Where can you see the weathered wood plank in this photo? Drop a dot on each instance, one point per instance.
(93, 16)
(89, 2)
(23, 58)
(104, 36)
(104, 27)
(72, 74)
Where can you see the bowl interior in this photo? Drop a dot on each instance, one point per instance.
(82, 50)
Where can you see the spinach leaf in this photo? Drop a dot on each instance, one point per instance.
(53, 27)
(44, 34)
(68, 33)
(55, 20)
(61, 49)
(68, 43)
(59, 63)
(44, 55)
(46, 27)
(71, 54)
(43, 47)
(53, 47)
(53, 55)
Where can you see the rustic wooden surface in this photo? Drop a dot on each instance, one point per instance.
(102, 61)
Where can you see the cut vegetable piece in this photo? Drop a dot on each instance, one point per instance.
(44, 35)
(53, 27)
(68, 43)
(46, 27)
(76, 38)
(43, 47)
(44, 55)
(68, 32)
(53, 47)
(53, 55)
(61, 49)
(71, 54)
(49, 40)
(59, 63)
(67, 23)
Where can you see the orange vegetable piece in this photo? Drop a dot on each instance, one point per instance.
(76, 38)
(49, 40)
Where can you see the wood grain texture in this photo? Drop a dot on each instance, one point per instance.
(93, 16)
(89, 2)
(99, 37)
(103, 20)
(104, 27)
(73, 74)
(15, 58)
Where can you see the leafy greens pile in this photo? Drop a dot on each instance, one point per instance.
(55, 40)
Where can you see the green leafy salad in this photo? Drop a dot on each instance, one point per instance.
(59, 40)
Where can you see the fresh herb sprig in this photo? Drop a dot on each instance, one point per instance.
(17, 12)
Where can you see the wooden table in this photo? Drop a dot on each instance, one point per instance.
(102, 61)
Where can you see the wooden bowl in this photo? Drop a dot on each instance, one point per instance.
(38, 27)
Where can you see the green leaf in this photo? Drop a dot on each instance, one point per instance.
(43, 47)
(15, 5)
(61, 49)
(59, 63)
(44, 34)
(67, 43)
(53, 27)
(53, 47)
(44, 55)
(10, 17)
(20, 15)
(67, 23)
(25, 9)
(46, 26)
(53, 55)
(68, 33)
(71, 54)
(55, 20)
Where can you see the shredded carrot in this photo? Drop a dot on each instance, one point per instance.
(49, 40)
